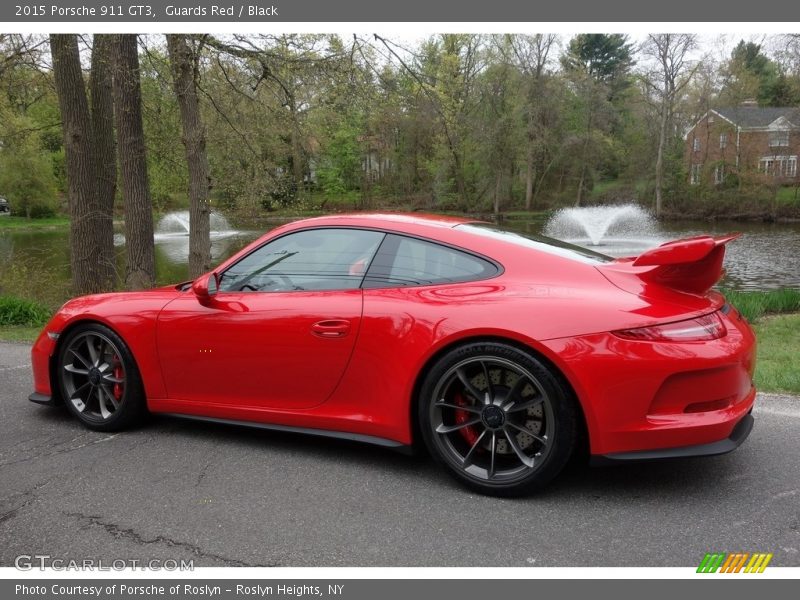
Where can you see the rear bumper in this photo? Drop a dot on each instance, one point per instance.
(655, 399)
(729, 444)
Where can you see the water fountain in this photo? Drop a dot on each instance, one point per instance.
(177, 223)
(172, 236)
(619, 230)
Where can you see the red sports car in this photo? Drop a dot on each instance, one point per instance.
(503, 353)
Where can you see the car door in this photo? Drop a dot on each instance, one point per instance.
(279, 330)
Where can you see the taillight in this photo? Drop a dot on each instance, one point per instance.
(708, 327)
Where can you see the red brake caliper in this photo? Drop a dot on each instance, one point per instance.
(462, 416)
(117, 390)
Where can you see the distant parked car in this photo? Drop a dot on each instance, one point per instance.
(5, 209)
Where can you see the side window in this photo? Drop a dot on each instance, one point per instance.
(403, 261)
(312, 259)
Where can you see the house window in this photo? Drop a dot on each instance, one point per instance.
(779, 166)
(778, 139)
(719, 174)
(696, 145)
(723, 140)
(697, 170)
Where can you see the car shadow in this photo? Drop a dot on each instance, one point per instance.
(656, 479)
(661, 480)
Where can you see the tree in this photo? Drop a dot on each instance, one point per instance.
(91, 248)
(598, 65)
(751, 74)
(140, 269)
(26, 179)
(102, 115)
(184, 63)
(540, 110)
(672, 73)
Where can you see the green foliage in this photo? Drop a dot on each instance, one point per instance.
(17, 311)
(27, 181)
(752, 74)
(457, 122)
(756, 304)
(604, 57)
(340, 160)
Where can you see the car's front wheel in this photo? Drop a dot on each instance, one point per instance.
(497, 418)
(99, 380)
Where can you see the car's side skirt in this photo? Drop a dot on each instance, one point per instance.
(341, 435)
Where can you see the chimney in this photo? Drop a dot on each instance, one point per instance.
(749, 103)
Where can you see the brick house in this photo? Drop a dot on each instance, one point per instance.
(745, 138)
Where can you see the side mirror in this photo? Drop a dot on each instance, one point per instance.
(204, 288)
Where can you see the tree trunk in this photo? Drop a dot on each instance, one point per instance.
(662, 137)
(529, 177)
(498, 190)
(298, 166)
(184, 76)
(102, 115)
(579, 195)
(91, 248)
(140, 269)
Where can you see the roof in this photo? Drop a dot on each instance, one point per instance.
(759, 116)
(391, 217)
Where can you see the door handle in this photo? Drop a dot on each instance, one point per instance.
(333, 328)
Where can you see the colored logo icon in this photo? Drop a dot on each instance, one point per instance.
(734, 562)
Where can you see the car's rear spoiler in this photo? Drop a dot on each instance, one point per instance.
(691, 265)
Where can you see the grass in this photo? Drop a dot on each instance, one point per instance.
(788, 195)
(756, 304)
(13, 222)
(777, 367)
(19, 333)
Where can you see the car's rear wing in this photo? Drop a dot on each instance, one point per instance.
(691, 265)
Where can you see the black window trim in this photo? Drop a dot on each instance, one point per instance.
(386, 232)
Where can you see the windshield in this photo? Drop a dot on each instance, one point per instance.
(538, 242)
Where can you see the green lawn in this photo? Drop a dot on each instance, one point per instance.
(778, 367)
(19, 333)
(13, 222)
(788, 195)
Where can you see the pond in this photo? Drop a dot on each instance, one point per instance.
(38, 261)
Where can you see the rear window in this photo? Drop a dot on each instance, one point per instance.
(403, 261)
(538, 242)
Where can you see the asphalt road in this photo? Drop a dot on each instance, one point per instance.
(227, 496)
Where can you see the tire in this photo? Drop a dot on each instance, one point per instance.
(99, 380)
(497, 418)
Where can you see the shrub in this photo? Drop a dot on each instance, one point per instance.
(17, 311)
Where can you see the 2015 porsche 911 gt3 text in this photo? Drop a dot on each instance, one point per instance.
(500, 352)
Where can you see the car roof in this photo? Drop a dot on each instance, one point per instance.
(382, 219)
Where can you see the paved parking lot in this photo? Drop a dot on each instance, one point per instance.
(229, 496)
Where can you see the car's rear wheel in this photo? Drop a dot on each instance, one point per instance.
(497, 418)
(99, 380)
